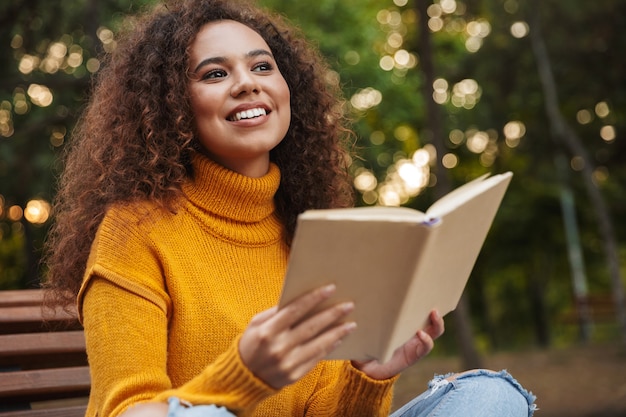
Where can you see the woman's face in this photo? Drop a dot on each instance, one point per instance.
(239, 98)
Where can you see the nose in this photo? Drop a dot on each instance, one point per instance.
(245, 83)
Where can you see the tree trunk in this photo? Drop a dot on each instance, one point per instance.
(461, 315)
(567, 137)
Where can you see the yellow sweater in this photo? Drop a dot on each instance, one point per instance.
(166, 297)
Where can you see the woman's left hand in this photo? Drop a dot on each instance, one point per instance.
(406, 355)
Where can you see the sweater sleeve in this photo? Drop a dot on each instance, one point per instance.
(340, 384)
(126, 338)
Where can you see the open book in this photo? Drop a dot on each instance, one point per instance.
(395, 263)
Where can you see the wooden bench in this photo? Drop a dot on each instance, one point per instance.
(600, 308)
(43, 364)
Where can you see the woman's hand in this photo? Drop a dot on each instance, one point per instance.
(280, 349)
(406, 355)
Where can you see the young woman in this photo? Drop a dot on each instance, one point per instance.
(209, 130)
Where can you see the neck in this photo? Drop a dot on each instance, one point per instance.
(255, 167)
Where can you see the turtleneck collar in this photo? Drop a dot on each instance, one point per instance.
(228, 194)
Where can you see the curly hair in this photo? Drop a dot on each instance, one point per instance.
(135, 138)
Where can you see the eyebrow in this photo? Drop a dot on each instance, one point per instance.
(221, 59)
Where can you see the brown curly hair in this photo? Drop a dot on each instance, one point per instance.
(135, 138)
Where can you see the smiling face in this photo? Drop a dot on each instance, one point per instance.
(239, 98)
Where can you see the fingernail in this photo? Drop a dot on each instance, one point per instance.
(329, 289)
(350, 326)
(347, 306)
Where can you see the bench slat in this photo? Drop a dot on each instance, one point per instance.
(41, 343)
(28, 319)
(45, 381)
(17, 298)
(74, 411)
(43, 357)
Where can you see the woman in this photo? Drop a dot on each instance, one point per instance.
(209, 130)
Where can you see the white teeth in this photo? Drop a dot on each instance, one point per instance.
(249, 114)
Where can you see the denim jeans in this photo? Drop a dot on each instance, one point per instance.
(178, 409)
(478, 393)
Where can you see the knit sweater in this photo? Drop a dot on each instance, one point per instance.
(167, 295)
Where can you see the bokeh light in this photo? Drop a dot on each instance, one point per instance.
(520, 29)
(37, 211)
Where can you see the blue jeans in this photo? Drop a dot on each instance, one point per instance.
(478, 393)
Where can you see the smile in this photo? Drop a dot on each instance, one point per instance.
(248, 114)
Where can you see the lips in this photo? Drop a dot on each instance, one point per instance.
(247, 114)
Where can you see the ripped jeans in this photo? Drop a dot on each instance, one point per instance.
(479, 393)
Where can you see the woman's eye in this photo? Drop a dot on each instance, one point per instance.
(263, 66)
(217, 73)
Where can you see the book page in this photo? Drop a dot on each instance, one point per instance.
(464, 193)
(448, 262)
(401, 214)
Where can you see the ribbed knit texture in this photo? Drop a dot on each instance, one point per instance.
(166, 297)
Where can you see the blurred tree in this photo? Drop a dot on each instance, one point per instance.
(49, 51)
(484, 85)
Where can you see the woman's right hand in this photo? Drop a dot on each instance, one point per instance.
(280, 349)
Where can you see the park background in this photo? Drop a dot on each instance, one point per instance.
(440, 93)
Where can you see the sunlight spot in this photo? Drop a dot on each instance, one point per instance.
(387, 63)
(377, 137)
(478, 142)
(450, 160)
(404, 133)
(365, 181)
(28, 63)
(395, 40)
(434, 10)
(370, 197)
(58, 136)
(17, 41)
(366, 98)
(20, 105)
(607, 133)
(421, 157)
(93, 65)
(37, 211)
(448, 6)
(402, 58)
(514, 129)
(584, 116)
(435, 24)
(519, 29)
(602, 109)
(456, 136)
(15, 213)
(473, 44)
(40, 95)
(600, 175)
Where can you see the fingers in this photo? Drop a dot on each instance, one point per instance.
(314, 325)
(304, 357)
(263, 316)
(436, 326)
(296, 310)
(425, 345)
(282, 345)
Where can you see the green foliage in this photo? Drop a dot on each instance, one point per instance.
(521, 282)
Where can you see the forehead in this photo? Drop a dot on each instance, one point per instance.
(224, 38)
